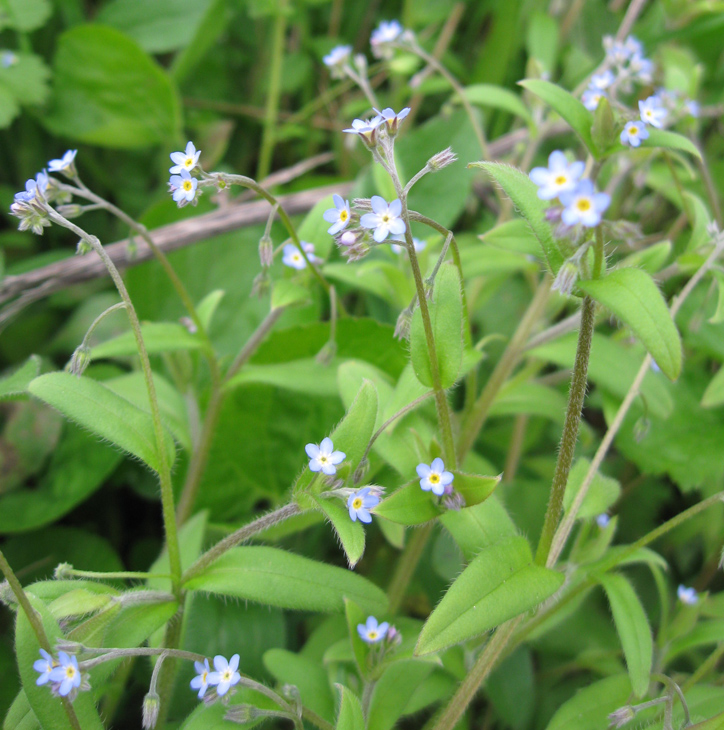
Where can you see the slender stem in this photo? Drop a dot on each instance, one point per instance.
(364, 84)
(704, 668)
(122, 575)
(99, 319)
(598, 253)
(570, 430)
(313, 717)
(164, 472)
(253, 342)
(406, 565)
(516, 447)
(679, 187)
(674, 688)
(243, 533)
(633, 12)
(273, 91)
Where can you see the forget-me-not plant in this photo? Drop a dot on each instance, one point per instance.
(323, 457)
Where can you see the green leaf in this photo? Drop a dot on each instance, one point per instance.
(633, 629)
(499, 584)
(287, 293)
(602, 493)
(157, 336)
(634, 298)
(350, 534)
(474, 487)
(393, 691)
(26, 80)
(300, 376)
(714, 393)
(356, 616)
(206, 308)
(589, 708)
(97, 408)
(671, 141)
(446, 318)
(279, 578)
(18, 381)
(409, 505)
(524, 194)
(25, 15)
(350, 711)
(498, 98)
(109, 92)
(9, 107)
(713, 723)
(650, 259)
(567, 106)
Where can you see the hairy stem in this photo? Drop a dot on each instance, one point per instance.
(406, 565)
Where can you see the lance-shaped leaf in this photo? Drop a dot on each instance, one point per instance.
(633, 629)
(350, 534)
(278, 578)
(501, 582)
(634, 298)
(670, 140)
(95, 407)
(17, 382)
(567, 106)
(499, 98)
(446, 318)
(350, 711)
(474, 487)
(393, 690)
(409, 505)
(524, 194)
(157, 336)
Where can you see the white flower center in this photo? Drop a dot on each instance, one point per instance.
(227, 675)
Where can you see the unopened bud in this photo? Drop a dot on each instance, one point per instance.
(83, 247)
(394, 637)
(135, 598)
(189, 324)
(70, 211)
(360, 63)
(80, 360)
(261, 285)
(566, 278)
(442, 159)
(402, 328)
(454, 501)
(620, 717)
(266, 250)
(291, 692)
(151, 705)
(241, 714)
(63, 570)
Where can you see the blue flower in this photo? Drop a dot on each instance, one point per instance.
(225, 675)
(360, 503)
(366, 129)
(8, 59)
(602, 520)
(687, 596)
(417, 244)
(592, 97)
(434, 477)
(558, 177)
(184, 160)
(652, 112)
(65, 163)
(692, 107)
(67, 675)
(293, 258)
(642, 68)
(371, 631)
(392, 119)
(602, 80)
(339, 216)
(183, 187)
(385, 218)
(583, 205)
(201, 680)
(337, 59)
(633, 133)
(25, 196)
(387, 32)
(323, 457)
(44, 666)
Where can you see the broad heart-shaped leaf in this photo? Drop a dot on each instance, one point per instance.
(97, 408)
(473, 487)
(350, 534)
(633, 629)
(524, 194)
(350, 711)
(351, 436)
(279, 578)
(446, 317)
(634, 298)
(17, 382)
(567, 106)
(393, 691)
(589, 708)
(409, 505)
(501, 582)
(109, 92)
(48, 709)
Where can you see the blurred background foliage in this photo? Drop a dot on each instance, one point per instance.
(129, 81)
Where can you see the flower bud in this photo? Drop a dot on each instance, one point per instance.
(266, 250)
(566, 278)
(70, 211)
(454, 501)
(261, 285)
(442, 159)
(402, 328)
(80, 360)
(189, 324)
(620, 717)
(151, 705)
(241, 714)
(62, 570)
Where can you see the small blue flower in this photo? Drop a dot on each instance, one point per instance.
(225, 675)
(364, 127)
(45, 666)
(184, 160)
(692, 108)
(371, 631)
(337, 59)
(417, 244)
(434, 477)
(602, 80)
(293, 258)
(387, 32)
(183, 187)
(360, 503)
(67, 675)
(592, 97)
(25, 196)
(392, 119)
(583, 205)
(385, 218)
(634, 133)
(687, 596)
(201, 680)
(642, 68)
(8, 59)
(65, 163)
(339, 216)
(652, 112)
(323, 457)
(558, 177)
(602, 520)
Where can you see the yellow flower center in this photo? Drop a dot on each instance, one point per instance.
(357, 503)
(372, 635)
(633, 130)
(187, 185)
(343, 215)
(70, 671)
(561, 180)
(204, 674)
(189, 162)
(434, 478)
(323, 459)
(583, 205)
(227, 675)
(385, 218)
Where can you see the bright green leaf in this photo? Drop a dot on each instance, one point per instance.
(18, 381)
(350, 711)
(355, 616)
(602, 493)
(498, 98)
(157, 336)
(287, 293)
(350, 534)
(670, 140)
(393, 690)
(27, 79)
(409, 505)
(474, 487)
(25, 15)
(206, 308)
(714, 393)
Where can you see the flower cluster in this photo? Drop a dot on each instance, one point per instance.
(62, 673)
(222, 679)
(181, 184)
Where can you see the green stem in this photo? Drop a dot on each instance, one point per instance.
(167, 675)
(570, 430)
(598, 253)
(406, 566)
(273, 92)
(679, 187)
(313, 717)
(122, 575)
(240, 535)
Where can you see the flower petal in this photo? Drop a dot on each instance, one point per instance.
(379, 205)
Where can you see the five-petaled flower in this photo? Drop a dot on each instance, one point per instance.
(592, 97)
(385, 218)
(184, 160)
(688, 596)
(183, 187)
(583, 205)
(558, 177)
(66, 675)
(371, 631)
(652, 112)
(293, 258)
(45, 666)
(366, 129)
(225, 675)
(434, 477)
(65, 163)
(392, 118)
(388, 31)
(634, 133)
(337, 59)
(201, 680)
(360, 503)
(323, 457)
(339, 216)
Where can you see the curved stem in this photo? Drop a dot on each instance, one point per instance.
(313, 717)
